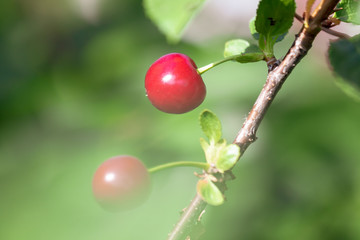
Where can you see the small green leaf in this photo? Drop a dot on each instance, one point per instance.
(212, 150)
(344, 56)
(209, 192)
(209, 150)
(252, 28)
(235, 47)
(171, 17)
(228, 157)
(242, 51)
(349, 11)
(217, 152)
(210, 125)
(204, 144)
(273, 20)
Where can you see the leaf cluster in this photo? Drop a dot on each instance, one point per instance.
(271, 24)
(220, 155)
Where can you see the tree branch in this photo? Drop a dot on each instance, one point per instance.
(189, 220)
(326, 29)
(247, 134)
(274, 81)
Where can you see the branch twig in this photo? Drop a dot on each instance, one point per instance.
(325, 29)
(190, 218)
(247, 134)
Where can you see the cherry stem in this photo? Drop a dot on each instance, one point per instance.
(203, 69)
(201, 165)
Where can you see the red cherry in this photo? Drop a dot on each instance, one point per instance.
(121, 182)
(173, 84)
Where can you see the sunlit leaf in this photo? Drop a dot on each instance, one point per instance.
(235, 47)
(243, 50)
(252, 28)
(228, 157)
(209, 192)
(209, 150)
(204, 144)
(210, 125)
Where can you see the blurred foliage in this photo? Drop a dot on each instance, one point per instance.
(344, 57)
(72, 96)
(171, 17)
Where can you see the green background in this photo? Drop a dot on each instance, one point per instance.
(72, 95)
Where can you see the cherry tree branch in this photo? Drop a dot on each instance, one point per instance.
(183, 230)
(326, 29)
(189, 220)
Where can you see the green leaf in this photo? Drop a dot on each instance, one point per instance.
(209, 192)
(255, 56)
(235, 47)
(242, 51)
(252, 28)
(350, 11)
(217, 152)
(209, 150)
(228, 157)
(212, 151)
(256, 35)
(273, 19)
(344, 56)
(210, 125)
(171, 17)
(204, 144)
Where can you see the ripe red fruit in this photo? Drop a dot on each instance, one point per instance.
(173, 84)
(121, 182)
